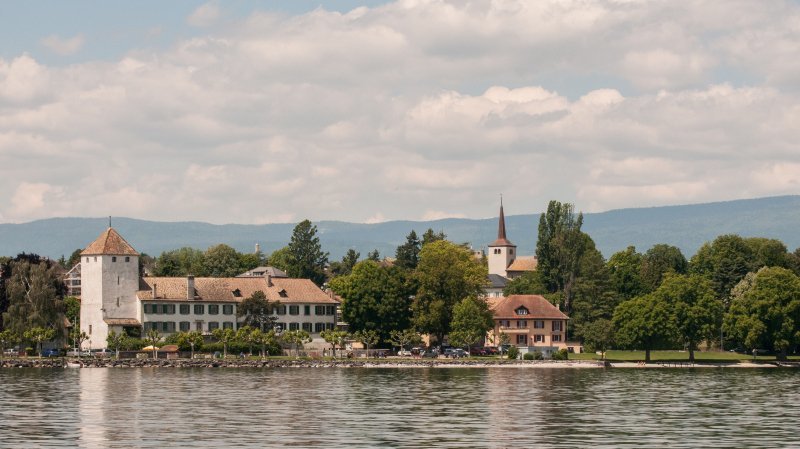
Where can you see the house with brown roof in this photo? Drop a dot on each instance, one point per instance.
(531, 322)
(115, 297)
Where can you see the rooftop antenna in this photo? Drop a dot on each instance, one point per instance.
(109, 221)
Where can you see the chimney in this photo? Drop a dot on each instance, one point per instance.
(269, 278)
(155, 295)
(190, 287)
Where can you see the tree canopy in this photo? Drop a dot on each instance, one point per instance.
(306, 258)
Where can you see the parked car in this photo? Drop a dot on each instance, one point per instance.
(52, 352)
(404, 353)
(430, 354)
(491, 350)
(101, 353)
(478, 351)
(458, 353)
(11, 352)
(74, 353)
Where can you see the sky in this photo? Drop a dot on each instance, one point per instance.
(259, 112)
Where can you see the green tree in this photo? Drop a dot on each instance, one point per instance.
(429, 236)
(307, 260)
(257, 311)
(725, 261)
(599, 335)
(248, 261)
(530, 283)
(7, 340)
(153, 338)
(407, 254)
(74, 259)
(593, 294)
(446, 274)
(767, 315)
(336, 338)
(472, 319)
(265, 339)
(559, 248)
(192, 340)
(34, 292)
(39, 335)
(375, 298)
(345, 267)
(374, 255)
(180, 262)
(404, 338)
(368, 338)
(224, 336)
(768, 252)
(280, 259)
(660, 260)
(696, 310)
(296, 339)
(72, 310)
(625, 268)
(222, 261)
(645, 322)
(78, 337)
(116, 341)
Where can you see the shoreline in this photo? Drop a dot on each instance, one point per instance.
(383, 363)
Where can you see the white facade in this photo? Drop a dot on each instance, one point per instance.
(108, 291)
(500, 258)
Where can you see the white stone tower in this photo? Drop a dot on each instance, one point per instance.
(501, 252)
(109, 281)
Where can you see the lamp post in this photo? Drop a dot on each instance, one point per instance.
(191, 343)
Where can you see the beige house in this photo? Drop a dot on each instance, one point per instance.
(530, 322)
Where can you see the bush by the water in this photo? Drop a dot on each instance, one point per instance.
(513, 352)
(528, 356)
(562, 354)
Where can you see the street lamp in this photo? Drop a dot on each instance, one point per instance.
(191, 343)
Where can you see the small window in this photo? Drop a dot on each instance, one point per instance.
(227, 309)
(90, 329)
(307, 327)
(557, 326)
(522, 339)
(319, 327)
(281, 326)
(283, 293)
(294, 310)
(556, 337)
(213, 309)
(538, 324)
(538, 338)
(117, 301)
(199, 309)
(87, 260)
(185, 326)
(521, 311)
(511, 251)
(198, 326)
(184, 309)
(113, 258)
(169, 309)
(227, 325)
(237, 293)
(521, 324)
(330, 310)
(213, 325)
(280, 310)
(127, 259)
(95, 258)
(306, 310)
(319, 310)
(294, 326)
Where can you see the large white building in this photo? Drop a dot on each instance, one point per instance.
(114, 297)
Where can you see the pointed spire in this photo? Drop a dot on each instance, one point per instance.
(501, 229)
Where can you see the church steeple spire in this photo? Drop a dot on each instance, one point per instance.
(501, 229)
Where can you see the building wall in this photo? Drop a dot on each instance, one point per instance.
(499, 258)
(525, 327)
(203, 319)
(108, 290)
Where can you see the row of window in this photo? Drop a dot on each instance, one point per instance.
(522, 339)
(185, 326)
(229, 309)
(199, 309)
(113, 259)
(537, 324)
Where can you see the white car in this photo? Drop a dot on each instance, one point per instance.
(404, 353)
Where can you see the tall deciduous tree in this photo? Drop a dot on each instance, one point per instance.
(407, 254)
(180, 262)
(405, 337)
(257, 311)
(446, 274)
(767, 314)
(725, 261)
(644, 322)
(222, 261)
(660, 260)
(375, 298)
(697, 312)
(559, 248)
(307, 260)
(224, 336)
(472, 319)
(599, 335)
(625, 268)
(280, 259)
(530, 283)
(34, 292)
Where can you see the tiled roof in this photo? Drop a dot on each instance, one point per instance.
(497, 281)
(122, 322)
(222, 289)
(523, 264)
(538, 308)
(110, 242)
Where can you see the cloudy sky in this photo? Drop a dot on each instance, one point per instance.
(261, 112)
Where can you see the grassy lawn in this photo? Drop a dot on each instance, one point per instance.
(633, 356)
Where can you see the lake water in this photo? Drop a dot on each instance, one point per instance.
(388, 407)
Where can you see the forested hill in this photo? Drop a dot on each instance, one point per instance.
(686, 227)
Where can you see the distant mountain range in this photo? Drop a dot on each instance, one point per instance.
(686, 227)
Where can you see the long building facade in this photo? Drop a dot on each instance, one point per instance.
(116, 298)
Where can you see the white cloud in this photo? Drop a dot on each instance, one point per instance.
(205, 15)
(412, 109)
(63, 46)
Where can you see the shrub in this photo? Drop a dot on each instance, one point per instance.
(528, 356)
(538, 355)
(562, 354)
(513, 352)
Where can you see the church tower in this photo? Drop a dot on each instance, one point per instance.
(501, 252)
(109, 281)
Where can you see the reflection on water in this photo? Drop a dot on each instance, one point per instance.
(415, 407)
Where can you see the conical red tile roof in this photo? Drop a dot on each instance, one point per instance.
(110, 242)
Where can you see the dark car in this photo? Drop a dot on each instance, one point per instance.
(51, 353)
(431, 353)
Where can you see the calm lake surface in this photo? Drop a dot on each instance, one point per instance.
(388, 407)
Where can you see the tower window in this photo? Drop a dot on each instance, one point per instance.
(127, 259)
(113, 258)
(87, 260)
